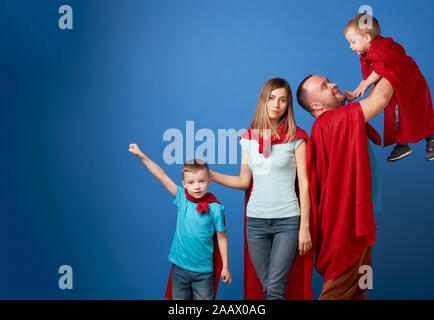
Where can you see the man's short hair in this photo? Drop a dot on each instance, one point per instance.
(374, 30)
(194, 166)
(301, 95)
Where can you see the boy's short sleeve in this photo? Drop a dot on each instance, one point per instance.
(219, 218)
(245, 145)
(180, 198)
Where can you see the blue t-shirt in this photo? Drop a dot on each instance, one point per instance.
(192, 245)
(273, 194)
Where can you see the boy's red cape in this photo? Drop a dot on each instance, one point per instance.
(411, 92)
(299, 285)
(217, 259)
(346, 224)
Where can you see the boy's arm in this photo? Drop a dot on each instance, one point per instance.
(154, 169)
(222, 240)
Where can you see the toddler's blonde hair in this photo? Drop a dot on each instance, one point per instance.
(374, 32)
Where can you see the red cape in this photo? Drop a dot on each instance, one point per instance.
(411, 92)
(299, 285)
(346, 224)
(216, 259)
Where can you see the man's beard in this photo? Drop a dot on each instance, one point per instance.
(340, 100)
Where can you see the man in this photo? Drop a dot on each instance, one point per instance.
(346, 226)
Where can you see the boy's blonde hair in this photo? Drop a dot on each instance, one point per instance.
(373, 31)
(194, 166)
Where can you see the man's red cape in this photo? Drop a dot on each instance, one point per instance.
(216, 258)
(346, 224)
(299, 285)
(411, 92)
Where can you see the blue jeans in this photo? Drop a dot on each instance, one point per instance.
(273, 245)
(185, 282)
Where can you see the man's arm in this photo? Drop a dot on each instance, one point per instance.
(378, 100)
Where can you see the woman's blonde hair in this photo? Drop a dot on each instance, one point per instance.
(261, 120)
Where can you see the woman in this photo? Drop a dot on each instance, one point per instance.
(274, 154)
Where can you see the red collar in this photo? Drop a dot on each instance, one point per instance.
(202, 202)
(265, 146)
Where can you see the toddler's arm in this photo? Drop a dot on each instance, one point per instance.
(222, 240)
(154, 169)
(363, 86)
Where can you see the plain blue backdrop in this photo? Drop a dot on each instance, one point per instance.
(73, 100)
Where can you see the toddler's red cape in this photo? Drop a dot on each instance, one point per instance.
(411, 92)
(299, 285)
(217, 268)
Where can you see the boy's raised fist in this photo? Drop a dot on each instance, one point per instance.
(134, 149)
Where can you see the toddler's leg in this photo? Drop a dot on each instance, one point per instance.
(429, 155)
(397, 118)
(400, 151)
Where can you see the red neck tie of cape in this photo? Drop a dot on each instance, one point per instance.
(265, 145)
(202, 203)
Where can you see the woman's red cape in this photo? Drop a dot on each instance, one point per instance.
(299, 285)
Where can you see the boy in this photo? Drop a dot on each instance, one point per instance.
(199, 214)
(409, 117)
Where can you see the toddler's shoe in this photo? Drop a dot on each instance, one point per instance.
(400, 151)
(429, 155)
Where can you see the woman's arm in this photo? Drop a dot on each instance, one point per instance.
(241, 182)
(304, 239)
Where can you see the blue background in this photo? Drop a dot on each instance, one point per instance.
(72, 101)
